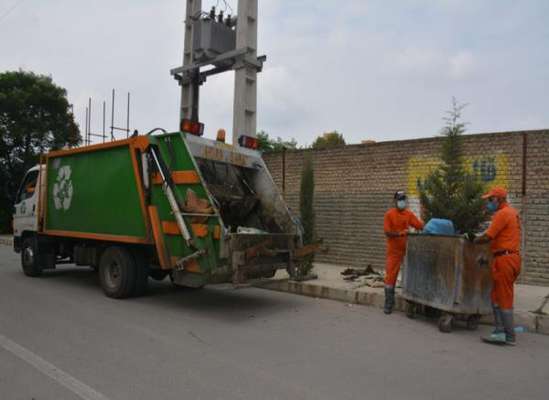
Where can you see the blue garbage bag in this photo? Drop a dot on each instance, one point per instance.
(439, 226)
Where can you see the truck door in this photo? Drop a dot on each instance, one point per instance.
(26, 201)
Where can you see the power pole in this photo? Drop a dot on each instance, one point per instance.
(245, 82)
(225, 45)
(189, 89)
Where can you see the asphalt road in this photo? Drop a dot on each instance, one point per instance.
(60, 338)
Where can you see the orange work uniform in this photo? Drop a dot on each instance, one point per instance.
(504, 232)
(396, 220)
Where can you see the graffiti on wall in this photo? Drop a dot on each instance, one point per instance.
(493, 169)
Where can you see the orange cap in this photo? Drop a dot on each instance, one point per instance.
(496, 191)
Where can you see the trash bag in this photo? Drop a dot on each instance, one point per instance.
(439, 226)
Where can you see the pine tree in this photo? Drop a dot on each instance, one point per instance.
(306, 208)
(306, 200)
(450, 192)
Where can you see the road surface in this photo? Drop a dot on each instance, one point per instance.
(60, 338)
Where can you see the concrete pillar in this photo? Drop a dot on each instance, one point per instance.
(194, 7)
(245, 92)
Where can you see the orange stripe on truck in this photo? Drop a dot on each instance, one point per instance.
(141, 143)
(93, 147)
(159, 238)
(178, 177)
(138, 181)
(98, 236)
(217, 232)
(171, 228)
(200, 230)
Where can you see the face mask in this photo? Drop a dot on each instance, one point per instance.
(492, 206)
(401, 204)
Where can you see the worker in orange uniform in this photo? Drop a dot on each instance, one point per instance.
(396, 223)
(504, 235)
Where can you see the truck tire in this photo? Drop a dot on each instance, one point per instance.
(30, 260)
(117, 272)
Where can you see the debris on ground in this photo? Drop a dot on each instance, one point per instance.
(364, 276)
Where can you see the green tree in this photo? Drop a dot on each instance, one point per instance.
(269, 145)
(328, 140)
(35, 117)
(306, 200)
(450, 192)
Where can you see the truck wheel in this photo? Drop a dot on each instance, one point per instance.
(117, 272)
(30, 261)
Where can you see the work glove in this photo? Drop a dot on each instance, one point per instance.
(469, 236)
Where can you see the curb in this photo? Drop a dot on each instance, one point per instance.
(532, 322)
(327, 292)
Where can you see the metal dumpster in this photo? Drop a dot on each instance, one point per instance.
(448, 276)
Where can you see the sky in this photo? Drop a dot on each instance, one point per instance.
(370, 69)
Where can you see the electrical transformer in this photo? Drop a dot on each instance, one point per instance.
(212, 38)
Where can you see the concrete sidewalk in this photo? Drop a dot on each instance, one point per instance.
(330, 285)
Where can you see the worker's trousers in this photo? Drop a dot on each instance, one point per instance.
(392, 268)
(505, 271)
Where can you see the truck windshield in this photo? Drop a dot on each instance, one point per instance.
(28, 186)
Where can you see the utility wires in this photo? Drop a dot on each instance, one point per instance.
(8, 12)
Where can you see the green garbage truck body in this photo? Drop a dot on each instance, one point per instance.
(178, 205)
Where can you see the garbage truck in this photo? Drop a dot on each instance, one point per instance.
(163, 204)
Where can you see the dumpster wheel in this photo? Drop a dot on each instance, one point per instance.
(472, 322)
(411, 309)
(445, 323)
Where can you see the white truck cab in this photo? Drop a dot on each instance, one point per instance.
(25, 217)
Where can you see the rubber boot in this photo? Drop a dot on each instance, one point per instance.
(389, 300)
(509, 327)
(498, 334)
(498, 319)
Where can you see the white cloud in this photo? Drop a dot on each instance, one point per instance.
(461, 65)
(416, 59)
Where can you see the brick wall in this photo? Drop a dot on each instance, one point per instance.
(355, 184)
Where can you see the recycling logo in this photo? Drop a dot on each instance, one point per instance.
(62, 189)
